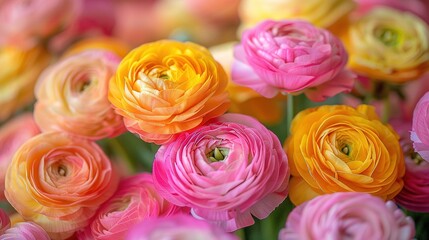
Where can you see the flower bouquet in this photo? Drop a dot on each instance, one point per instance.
(238, 119)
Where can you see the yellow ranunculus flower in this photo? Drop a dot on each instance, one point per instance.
(18, 75)
(343, 149)
(167, 87)
(388, 44)
(324, 13)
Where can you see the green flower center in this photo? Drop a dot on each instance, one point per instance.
(345, 150)
(218, 154)
(387, 36)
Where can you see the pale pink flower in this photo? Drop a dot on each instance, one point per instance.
(178, 227)
(25, 23)
(4, 221)
(226, 170)
(25, 231)
(420, 127)
(12, 135)
(347, 215)
(72, 96)
(291, 57)
(219, 12)
(135, 200)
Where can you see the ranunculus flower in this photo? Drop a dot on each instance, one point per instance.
(420, 127)
(18, 75)
(347, 216)
(226, 171)
(4, 221)
(12, 135)
(59, 181)
(178, 227)
(135, 200)
(245, 100)
(110, 44)
(415, 193)
(291, 57)
(25, 231)
(167, 87)
(219, 12)
(387, 44)
(414, 6)
(72, 96)
(322, 13)
(342, 149)
(27, 23)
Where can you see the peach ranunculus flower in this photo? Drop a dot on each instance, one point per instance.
(111, 44)
(18, 76)
(387, 44)
(12, 135)
(167, 87)
(342, 149)
(59, 181)
(322, 13)
(72, 96)
(25, 231)
(26, 23)
(246, 100)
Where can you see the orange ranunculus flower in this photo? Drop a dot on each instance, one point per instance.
(387, 44)
(99, 43)
(343, 149)
(18, 75)
(59, 181)
(246, 100)
(167, 87)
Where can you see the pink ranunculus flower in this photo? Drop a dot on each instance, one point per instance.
(25, 231)
(72, 96)
(415, 193)
(226, 171)
(291, 57)
(26, 23)
(4, 221)
(420, 127)
(12, 135)
(135, 200)
(347, 215)
(59, 181)
(178, 227)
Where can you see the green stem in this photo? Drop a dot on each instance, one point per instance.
(290, 113)
(268, 228)
(119, 150)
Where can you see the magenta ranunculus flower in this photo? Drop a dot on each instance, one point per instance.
(291, 57)
(135, 200)
(25, 231)
(347, 215)
(4, 221)
(415, 193)
(420, 127)
(177, 227)
(226, 170)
